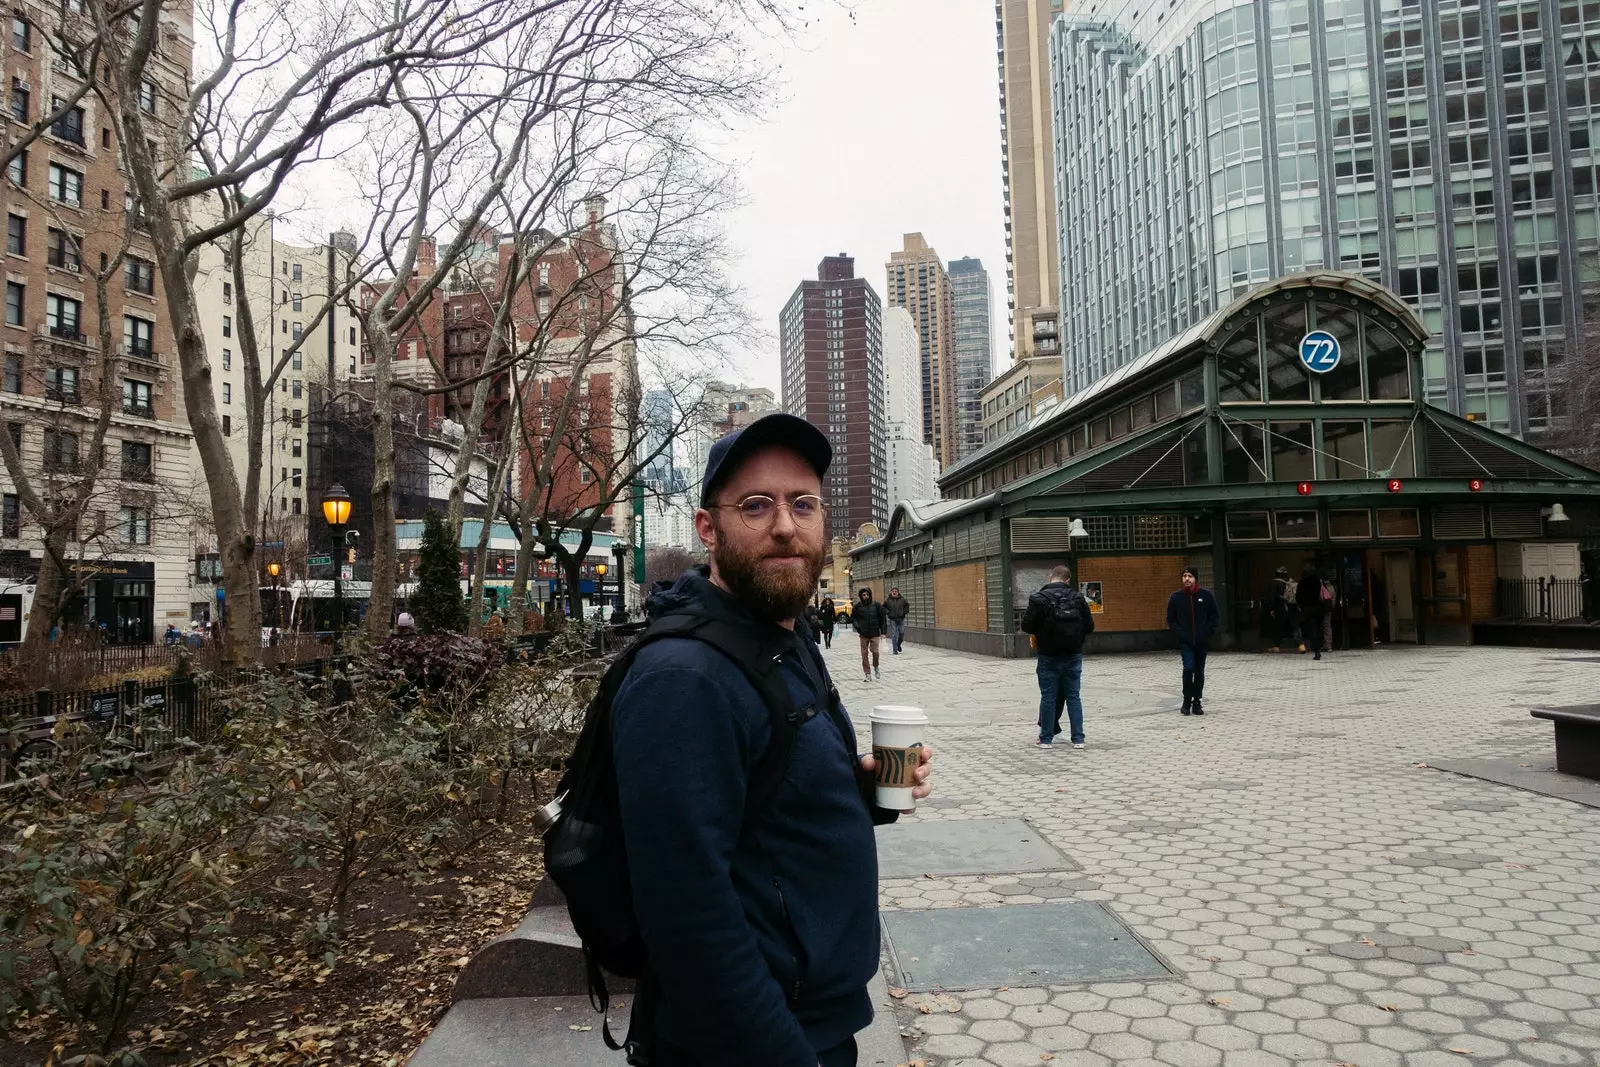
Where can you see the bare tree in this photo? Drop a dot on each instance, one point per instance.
(666, 564)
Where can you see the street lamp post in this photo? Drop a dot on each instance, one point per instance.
(600, 587)
(620, 551)
(275, 569)
(336, 510)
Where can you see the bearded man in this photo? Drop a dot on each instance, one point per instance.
(761, 928)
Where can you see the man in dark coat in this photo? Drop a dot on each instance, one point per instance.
(871, 623)
(897, 608)
(1059, 619)
(761, 930)
(1192, 615)
(829, 615)
(1308, 602)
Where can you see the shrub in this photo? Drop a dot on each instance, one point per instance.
(110, 884)
(441, 661)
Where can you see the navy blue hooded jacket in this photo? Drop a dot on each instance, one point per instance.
(763, 937)
(1192, 618)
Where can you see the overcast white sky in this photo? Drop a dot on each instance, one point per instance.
(888, 124)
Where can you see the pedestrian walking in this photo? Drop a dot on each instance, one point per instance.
(897, 609)
(871, 623)
(1059, 619)
(1277, 621)
(1311, 608)
(814, 623)
(830, 615)
(755, 889)
(1192, 615)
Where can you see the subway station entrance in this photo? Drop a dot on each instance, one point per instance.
(1289, 430)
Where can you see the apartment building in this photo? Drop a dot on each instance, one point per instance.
(918, 282)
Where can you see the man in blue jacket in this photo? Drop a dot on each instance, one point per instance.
(1192, 615)
(763, 933)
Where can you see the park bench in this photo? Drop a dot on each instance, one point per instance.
(1577, 738)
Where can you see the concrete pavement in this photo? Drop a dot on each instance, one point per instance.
(1317, 891)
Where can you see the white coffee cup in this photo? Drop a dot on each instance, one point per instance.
(897, 732)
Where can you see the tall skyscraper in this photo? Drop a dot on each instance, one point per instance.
(1442, 153)
(911, 466)
(1027, 164)
(974, 355)
(831, 339)
(918, 283)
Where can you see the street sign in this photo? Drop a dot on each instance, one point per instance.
(1319, 351)
(319, 561)
(346, 571)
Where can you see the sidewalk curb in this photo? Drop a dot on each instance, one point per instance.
(880, 1044)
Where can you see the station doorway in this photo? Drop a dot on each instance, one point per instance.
(1378, 596)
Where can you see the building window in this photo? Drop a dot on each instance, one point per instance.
(296, 448)
(283, 325)
(227, 292)
(227, 359)
(296, 391)
(68, 127)
(137, 335)
(295, 360)
(227, 392)
(352, 335)
(61, 383)
(138, 462)
(60, 451)
(63, 314)
(294, 506)
(16, 235)
(227, 425)
(13, 383)
(135, 211)
(11, 516)
(14, 294)
(19, 99)
(21, 34)
(135, 525)
(295, 479)
(136, 398)
(147, 97)
(66, 185)
(17, 171)
(227, 325)
(295, 303)
(295, 418)
(294, 331)
(294, 275)
(139, 276)
(62, 250)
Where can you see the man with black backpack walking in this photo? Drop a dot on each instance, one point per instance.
(743, 816)
(1059, 619)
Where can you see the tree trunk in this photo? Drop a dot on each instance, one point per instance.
(380, 610)
(46, 603)
(519, 586)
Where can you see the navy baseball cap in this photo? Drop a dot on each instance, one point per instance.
(776, 429)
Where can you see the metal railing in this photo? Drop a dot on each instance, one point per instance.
(1547, 599)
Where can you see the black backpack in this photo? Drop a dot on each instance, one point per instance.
(585, 854)
(1066, 616)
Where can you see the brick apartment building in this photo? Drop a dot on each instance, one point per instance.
(831, 340)
(67, 208)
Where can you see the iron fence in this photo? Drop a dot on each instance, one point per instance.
(1546, 599)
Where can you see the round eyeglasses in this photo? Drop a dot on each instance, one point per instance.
(759, 512)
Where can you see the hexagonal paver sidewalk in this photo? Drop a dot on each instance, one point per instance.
(1326, 897)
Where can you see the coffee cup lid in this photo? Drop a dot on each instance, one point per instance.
(899, 713)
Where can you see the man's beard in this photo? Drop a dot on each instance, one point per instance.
(776, 594)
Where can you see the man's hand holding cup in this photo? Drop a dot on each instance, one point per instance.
(900, 764)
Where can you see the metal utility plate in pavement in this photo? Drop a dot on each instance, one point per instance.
(911, 849)
(1027, 945)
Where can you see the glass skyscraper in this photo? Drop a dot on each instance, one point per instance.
(1440, 148)
(974, 359)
